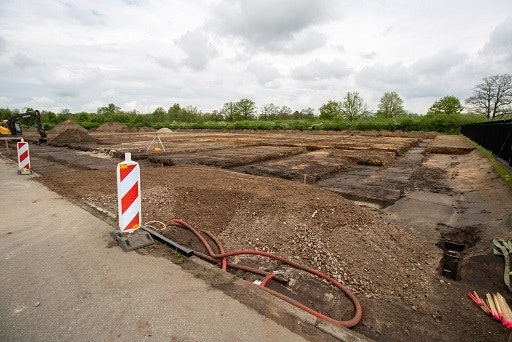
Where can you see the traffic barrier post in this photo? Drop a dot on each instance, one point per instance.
(23, 158)
(128, 194)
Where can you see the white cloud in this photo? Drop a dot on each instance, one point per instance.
(22, 61)
(317, 70)
(85, 15)
(439, 63)
(264, 72)
(500, 44)
(3, 45)
(263, 23)
(301, 42)
(198, 49)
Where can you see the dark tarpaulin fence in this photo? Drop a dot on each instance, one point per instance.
(495, 136)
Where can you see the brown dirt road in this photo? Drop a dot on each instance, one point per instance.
(377, 211)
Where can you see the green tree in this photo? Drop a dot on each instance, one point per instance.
(493, 96)
(49, 117)
(159, 115)
(83, 118)
(307, 113)
(140, 120)
(246, 109)
(111, 109)
(331, 110)
(390, 105)
(353, 106)
(175, 113)
(269, 112)
(229, 111)
(285, 113)
(215, 115)
(5, 113)
(191, 114)
(449, 105)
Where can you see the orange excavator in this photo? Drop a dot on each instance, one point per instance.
(10, 129)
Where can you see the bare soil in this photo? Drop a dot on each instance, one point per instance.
(378, 211)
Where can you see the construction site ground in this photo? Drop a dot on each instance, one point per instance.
(404, 220)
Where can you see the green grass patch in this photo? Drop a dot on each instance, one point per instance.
(504, 172)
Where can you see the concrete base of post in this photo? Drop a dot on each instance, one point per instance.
(134, 240)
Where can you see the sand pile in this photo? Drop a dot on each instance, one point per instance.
(73, 136)
(65, 125)
(164, 130)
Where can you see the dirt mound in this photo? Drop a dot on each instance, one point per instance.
(450, 144)
(65, 125)
(114, 127)
(145, 129)
(164, 130)
(73, 136)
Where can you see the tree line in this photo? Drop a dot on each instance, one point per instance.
(491, 99)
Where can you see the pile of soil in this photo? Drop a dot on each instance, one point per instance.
(114, 127)
(73, 136)
(65, 125)
(164, 130)
(145, 129)
(314, 227)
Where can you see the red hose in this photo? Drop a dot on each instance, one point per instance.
(224, 255)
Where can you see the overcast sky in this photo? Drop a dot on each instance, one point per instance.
(142, 54)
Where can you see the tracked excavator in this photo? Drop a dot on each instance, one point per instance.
(10, 129)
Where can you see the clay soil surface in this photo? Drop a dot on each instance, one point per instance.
(380, 212)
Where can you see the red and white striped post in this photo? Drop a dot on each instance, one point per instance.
(23, 157)
(128, 195)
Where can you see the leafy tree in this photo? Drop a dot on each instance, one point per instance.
(5, 113)
(140, 120)
(353, 106)
(175, 113)
(49, 117)
(229, 111)
(83, 117)
(449, 105)
(307, 113)
(111, 109)
(284, 113)
(493, 96)
(390, 105)
(246, 109)
(331, 110)
(159, 115)
(269, 112)
(121, 117)
(191, 114)
(215, 115)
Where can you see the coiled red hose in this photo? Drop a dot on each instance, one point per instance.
(223, 256)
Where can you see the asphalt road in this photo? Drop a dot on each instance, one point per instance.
(60, 281)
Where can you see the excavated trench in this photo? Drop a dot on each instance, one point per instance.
(455, 244)
(408, 177)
